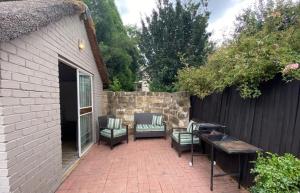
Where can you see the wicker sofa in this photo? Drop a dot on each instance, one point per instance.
(143, 127)
(111, 136)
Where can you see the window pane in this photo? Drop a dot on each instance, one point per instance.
(85, 91)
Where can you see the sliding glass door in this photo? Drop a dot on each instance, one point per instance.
(85, 111)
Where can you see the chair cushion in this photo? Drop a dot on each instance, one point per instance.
(185, 139)
(117, 132)
(149, 127)
(114, 123)
(157, 120)
(192, 126)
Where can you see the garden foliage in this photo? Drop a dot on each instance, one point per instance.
(119, 49)
(266, 42)
(276, 174)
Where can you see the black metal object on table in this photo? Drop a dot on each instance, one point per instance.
(230, 146)
(203, 128)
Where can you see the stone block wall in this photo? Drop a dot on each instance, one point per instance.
(174, 106)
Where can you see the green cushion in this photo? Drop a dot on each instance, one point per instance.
(157, 120)
(192, 126)
(114, 123)
(117, 132)
(185, 139)
(149, 127)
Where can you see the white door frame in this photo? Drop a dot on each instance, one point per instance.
(80, 71)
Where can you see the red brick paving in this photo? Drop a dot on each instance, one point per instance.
(143, 166)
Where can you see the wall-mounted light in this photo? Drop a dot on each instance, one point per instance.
(81, 45)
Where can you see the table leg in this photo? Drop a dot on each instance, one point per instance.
(202, 145)
(241, 169)
(192, 150)
(212, 159)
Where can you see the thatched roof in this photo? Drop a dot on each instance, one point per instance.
(22, 17)
(25, 16)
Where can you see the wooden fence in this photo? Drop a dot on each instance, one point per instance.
(271, 122)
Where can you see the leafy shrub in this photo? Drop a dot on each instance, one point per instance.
(116, 85)
(276, 174)
(266, 40)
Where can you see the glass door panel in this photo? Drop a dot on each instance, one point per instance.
(85, 111)
(85, 91)
(85, 130)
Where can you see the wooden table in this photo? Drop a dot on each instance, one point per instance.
(230, 146)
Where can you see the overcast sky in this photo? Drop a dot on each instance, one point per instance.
(221, 23)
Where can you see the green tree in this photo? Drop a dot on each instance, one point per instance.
(115, 85)
(173, 35)
(118, 48)
(266, 43)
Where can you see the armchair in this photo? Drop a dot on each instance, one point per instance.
(111, 134)
(182, 138)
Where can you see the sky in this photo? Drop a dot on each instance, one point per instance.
(221, 22)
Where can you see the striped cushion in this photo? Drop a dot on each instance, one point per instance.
(185, 139)
(117, 132)
(191, 126)
(157, 120)
(149, 127)
(114, 123)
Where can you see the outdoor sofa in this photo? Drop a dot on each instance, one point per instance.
(149, 125)
(111, 130)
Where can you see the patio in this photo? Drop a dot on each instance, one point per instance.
(143, 166)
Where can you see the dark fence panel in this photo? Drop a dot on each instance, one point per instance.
(271, 122)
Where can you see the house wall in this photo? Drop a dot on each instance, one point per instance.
(174, 106)
(30, 134)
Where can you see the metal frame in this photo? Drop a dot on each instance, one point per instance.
(78, 69)
(204, 128)
(238, 174)
(208, 138)
(79, 72)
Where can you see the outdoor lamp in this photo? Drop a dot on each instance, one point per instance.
(81, 45)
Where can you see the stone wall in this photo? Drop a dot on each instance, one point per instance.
(174, 106)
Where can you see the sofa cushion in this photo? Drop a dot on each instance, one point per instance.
(157, 120)
(149, 127)
(144, 118)
(185, 139)
(117, 132)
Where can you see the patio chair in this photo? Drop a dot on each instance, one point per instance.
(182, 138)
(111, 130)
(149, 125)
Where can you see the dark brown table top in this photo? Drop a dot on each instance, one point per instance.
(236, 147)
(210, 125)
(229, 145)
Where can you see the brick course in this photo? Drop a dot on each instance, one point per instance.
(30, 134)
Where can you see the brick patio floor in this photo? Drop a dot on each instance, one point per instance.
(143, 166)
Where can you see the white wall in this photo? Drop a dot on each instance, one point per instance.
(30, 134)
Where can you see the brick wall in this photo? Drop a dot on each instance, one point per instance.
(30, 134)
(174, 106)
